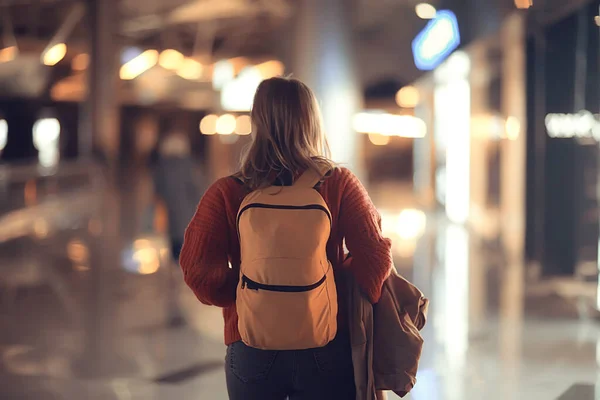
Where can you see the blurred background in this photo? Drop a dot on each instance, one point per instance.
(473, 123)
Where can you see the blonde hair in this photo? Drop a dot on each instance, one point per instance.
(287, 133)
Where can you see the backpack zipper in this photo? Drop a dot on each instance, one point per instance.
(252, 285)
(283, 207)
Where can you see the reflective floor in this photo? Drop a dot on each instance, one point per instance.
(93, 309)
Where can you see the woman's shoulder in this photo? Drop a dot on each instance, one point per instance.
(339, 176)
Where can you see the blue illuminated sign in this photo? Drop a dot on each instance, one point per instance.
(436, 41)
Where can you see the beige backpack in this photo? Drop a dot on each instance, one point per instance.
(286, 298)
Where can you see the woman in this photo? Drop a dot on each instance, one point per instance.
(287, 141)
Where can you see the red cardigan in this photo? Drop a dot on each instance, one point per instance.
(210, 258)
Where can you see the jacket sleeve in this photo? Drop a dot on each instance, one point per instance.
(205, 254)
(360, 225)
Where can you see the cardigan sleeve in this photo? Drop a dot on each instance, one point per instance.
(205, 254)
(360, 225)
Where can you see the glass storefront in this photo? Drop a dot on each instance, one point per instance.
(564, 100)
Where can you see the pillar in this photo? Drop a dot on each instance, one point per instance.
(99, 134)
(323, 59)
(512, 202)
(513, 174)
(100, 127)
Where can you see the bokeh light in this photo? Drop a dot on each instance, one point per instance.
(226, 124)
(408, 97)
(80, 62)
(243, 125)
(208, 125)
(190, 69)
(140, 64)
(170, 59)
(54, 54)
(425, 11)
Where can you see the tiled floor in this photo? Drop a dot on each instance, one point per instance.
(80, 320)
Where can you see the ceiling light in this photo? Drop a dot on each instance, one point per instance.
(139, 65)
(170, 59)
(243, 125)
(190, 69)
(208, 125)
(54, 54)
(407, 97)
(405, 126)
(226, 124)
(379, 140)
(425, 11)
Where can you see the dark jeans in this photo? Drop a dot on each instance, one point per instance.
(314, 374)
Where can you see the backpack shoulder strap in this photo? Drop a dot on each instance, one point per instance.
(310, 178)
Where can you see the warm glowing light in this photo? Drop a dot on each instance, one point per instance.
(488, 126)
(243, 125)
(408, 97)
(411, 224)
(238, 94)
(597, 20)
(3, 133)
(190, 69)
(379, 140)
(208, 125)
(425, 11)
(390, 125)
(226, 124)
(80, 62)
(270, 69)
(141, 244)
(523, 4)
(138, 65)
(404, 229)
(170, 59)
(8, 54)
(54, 54)
(148, 259)
(223, 72)
(513, 128)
